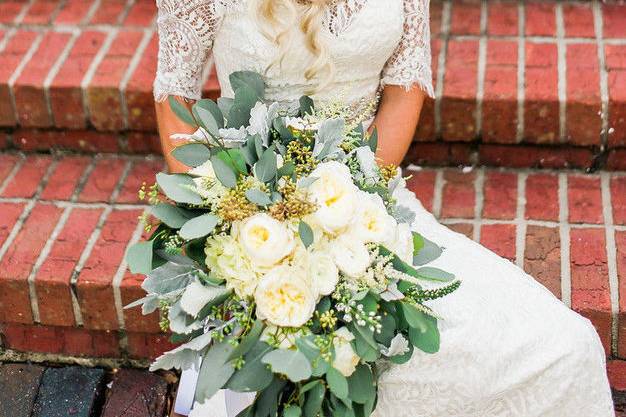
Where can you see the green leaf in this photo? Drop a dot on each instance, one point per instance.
(427, 253)
(306, 234)
(139, 257)
(178, 187)
(255, 375)
(214, 109)
(206, 119)
(291, 363)
(292, 411)
(427, 340)
(192, 154)
(235, 159)
(265, 169)
(249, 79)
(337, 383)
(224, 172)
(225, 104)
(414, 318)
(167, 278)
(199, 226)
(307, 105)
(239, 115)
(258, 197)
(361, 384)
(434, 274)
(401, 359)
(418, 243)
(314, 400)
(307, 346)
(171, 215)
(373, 140)
(181, 111)
(267, 401)
(215, 370)
(287, 169)
(249, 340)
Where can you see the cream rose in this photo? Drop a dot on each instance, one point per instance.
(283, 298)
(372, 223)
(401, 242)
(225, 257)
(324, 273)
(265, 240)
(350, 255)
(346, 359)
(335, 194)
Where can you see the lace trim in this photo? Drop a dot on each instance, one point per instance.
(410, 64)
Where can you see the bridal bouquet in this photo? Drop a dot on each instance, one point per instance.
(282, 259)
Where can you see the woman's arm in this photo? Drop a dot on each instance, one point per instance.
(170, 124)
(396, 120)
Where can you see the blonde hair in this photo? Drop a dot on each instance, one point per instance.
(278, 18)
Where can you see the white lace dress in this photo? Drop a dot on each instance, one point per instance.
(509, 347)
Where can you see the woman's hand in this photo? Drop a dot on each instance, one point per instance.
(396, 120)
(170, 124)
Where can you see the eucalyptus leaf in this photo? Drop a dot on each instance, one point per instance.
(403, 214)
(428, 339)
(337, 383)
(224, 172)
(239, 114)
(171, 215)
(181, 111)
(434, 274)
(306, 234)
(167, 278)
(192, 154)
(427, 253)
(248, 79)
(258, 197)
(139, 257)
(361, 384)
(373, 140)
(265, 169)
(292, 363)
(215, 370)
(254, 375)
(225, 104)
(306, 105)
(206, 119)
(415, 318)
(292, 411)
(214, 109)
(328, 138)
(267, 401)
(314, 400)
(179, 188)
(199, 226)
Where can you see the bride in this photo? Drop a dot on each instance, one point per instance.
(509, 347)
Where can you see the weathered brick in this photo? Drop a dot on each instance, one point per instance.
(143, 142)
(578, 20)
(90, 343)
(31, 140)
(503, 19)
(614, 20)
(18, 261)
(616, 370)
(136, 393)
(102, 180)
(30, 98)
(42, 339)
(616, 67)
(585, 199)
(11, 56)
(422, 183)
(103, 92)
(458, 196)
(466, 229)
(590, 282)
(142, 13)
(542, 256)
(110, 12)
(26, 181)
(66, 96)
(540, 18)
(52, 281)
(148, 345)
(139, 98)
(500, 195)
(465, 18)
(20, 383)
(459, 96)
(620, 242)
(68, 391)
(584, 122)
(73, 12)
(140, 173)
(10, 9)
(94, 287)
(10, 212)
(500, 238)
(63, 181)
(517, 156)
(616, 160)
(541, 106)
(439, 154)
(500, 93)
(542, 197)
(7, 164)
(618, 199)
(41, 12)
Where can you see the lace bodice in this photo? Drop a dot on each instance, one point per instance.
(372, 43)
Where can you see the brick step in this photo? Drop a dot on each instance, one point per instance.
(66, 221)
(546, 78)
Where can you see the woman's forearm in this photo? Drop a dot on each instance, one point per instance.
(169, 124)
(396, 120)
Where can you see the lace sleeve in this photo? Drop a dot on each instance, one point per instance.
(410, 63)
(186, 32)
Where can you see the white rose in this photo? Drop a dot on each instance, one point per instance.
(350, 255)
(283, 298)
(324, 273)
(204, 170)
(346, 359)
(372, 223)
(226, 258)
(402, 242)
(335, 194)
(266, 240)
